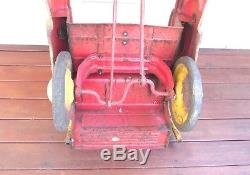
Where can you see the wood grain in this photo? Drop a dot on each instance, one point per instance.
(24, 58)
(224, 52)
(219, 130)
(24, 48)
(44, 131)
(23, 90)
(24, 109)
(232, 170)
(225, 75)
(226, 91)
(225, 109)
(224, 61)
(37, 90)
(29, 144)
(25, 73)
(59, 156)
(41, 109)
(28, 69)
(29, 131)
(43, 73)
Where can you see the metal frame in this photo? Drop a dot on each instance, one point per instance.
(123, 67)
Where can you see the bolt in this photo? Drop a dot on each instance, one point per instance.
(99, 72)
(124, 42)
(115, 139)
(120, 110)
(69, 141)
(109, 104)
(125, 33)
(129, 78)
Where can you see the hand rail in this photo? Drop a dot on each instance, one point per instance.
(142, 60)
(113, 52)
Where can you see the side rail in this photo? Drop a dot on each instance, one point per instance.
(56, 27)
(188, 13)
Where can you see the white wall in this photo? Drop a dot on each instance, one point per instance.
(226, 23)
(22, 22)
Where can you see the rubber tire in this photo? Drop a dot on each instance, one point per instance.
(60, 113)
(196, 92)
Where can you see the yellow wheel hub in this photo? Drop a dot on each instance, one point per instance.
(69, 90)
(178, 107)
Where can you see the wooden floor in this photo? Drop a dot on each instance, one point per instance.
(220, 144)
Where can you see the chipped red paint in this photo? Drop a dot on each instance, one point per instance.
(122, 73)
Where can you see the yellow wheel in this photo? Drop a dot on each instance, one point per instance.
(186, 105)
(62, 91)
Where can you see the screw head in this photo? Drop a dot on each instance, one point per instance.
(120, 110)
(99, 72)
(125, 33)
(124, 42)
(115, 139)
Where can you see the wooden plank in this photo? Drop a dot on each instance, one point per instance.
(232, 170)
(207, 59)
(44, 131)
(60, 156)
(225, 75)
(219, 130)
(224, 61)
(45, 48)
(41, 109)
(226, 91)
(225, 109)
(25, 109)
(37, 90)
(211, 91)
(211, 60)
(23, 90)
(29, 131)
(25, 73)
(24, 48)
(43, 73)
(24, 58)
(224, 58)
(213, 51)
(194, 154)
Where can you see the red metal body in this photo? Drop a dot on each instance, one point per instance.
(122, 73)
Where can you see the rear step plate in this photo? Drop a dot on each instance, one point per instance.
(131, 137)
(143, 129)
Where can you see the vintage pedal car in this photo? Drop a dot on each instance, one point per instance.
(124, 84)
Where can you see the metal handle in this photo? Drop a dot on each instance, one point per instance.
(113, 52)
(142, 71)
(142, 18)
